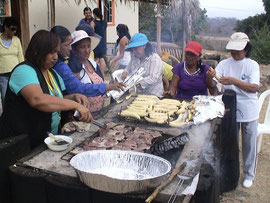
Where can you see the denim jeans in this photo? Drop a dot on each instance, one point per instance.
(3, 85)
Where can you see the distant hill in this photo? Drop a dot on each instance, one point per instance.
(219, 27)
(216, 35)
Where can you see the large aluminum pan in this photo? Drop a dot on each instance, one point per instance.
(119, 171)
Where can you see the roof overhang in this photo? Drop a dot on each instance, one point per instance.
(164, 2)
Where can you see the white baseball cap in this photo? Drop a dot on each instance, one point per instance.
(81, 34)
(238, 41)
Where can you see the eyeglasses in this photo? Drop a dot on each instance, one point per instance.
(13, 29)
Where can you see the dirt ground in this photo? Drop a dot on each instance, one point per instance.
(260, 190)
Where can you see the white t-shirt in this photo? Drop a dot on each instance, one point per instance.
(246, 70)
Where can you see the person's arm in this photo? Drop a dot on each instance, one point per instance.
(252, 88)
(79, 98)
(166, 83)
(210, 74)
(156, 68)
(251, 85)
(43, 102)
(123, 43)
(92, 25)
(74, 85)
(128, 68)
(173, 86)
(20, 52)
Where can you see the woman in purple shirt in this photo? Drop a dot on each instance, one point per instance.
(191, 77)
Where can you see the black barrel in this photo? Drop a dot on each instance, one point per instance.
(229, 147)
(68, 190)
(11, 149)
(27, 185)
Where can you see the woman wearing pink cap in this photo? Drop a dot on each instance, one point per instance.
(191, 77)
(87, 70)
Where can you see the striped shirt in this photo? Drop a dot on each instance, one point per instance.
(152, 82)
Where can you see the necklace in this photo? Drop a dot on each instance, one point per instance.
(53, 86)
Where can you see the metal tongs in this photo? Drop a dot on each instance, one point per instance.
(77, 115)
(177, 188)
(101, 125)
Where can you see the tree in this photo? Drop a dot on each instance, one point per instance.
(257, 28)
(147, 20)
(261, 45)
(200, 23)
(266, 4)
(250, 24)
(172, 21)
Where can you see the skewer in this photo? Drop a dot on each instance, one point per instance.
(182, 179)
(176, 191)
(163, 185)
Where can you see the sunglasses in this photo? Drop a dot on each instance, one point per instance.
(13, 29)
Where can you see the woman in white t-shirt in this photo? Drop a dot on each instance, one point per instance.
(242, 75)
(122, 55)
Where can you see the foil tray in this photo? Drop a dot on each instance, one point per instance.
(119, 171)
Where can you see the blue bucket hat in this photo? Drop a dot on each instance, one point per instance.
(137, 40)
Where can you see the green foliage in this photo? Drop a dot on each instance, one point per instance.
(147, 20)
(171, 25)
(250, 24)
(257, 28)
(266, 4)
(200, 24)
(261, 45)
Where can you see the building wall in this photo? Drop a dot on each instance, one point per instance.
(68, 14)
(124, 14)
(38, 15)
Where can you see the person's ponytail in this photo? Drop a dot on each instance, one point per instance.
(200, 66)
(98, 13)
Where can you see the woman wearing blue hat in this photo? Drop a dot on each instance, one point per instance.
(142, 55)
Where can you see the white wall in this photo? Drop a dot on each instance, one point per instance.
(38, 15)
(68, 14)
(124, 14)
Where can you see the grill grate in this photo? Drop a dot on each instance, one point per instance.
(166, 146)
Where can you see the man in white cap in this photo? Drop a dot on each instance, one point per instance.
(242, 75)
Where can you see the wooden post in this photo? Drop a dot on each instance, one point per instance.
(52, 6)
(19, 10)
(158, 27)
(184, 23)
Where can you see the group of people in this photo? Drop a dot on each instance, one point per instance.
(58, 74)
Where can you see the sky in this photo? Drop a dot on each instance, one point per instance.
(239, 9)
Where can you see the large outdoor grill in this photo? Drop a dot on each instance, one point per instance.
(167, 142)
(52, 176)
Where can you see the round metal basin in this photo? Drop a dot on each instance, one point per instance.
(119, 171)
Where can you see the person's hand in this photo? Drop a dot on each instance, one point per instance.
(81, 99)
(118, 86)
(166, 83)
(124, 75)
(85, 115)
(169, 93)
(228, 81)
(211, 73)
(111, 62)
